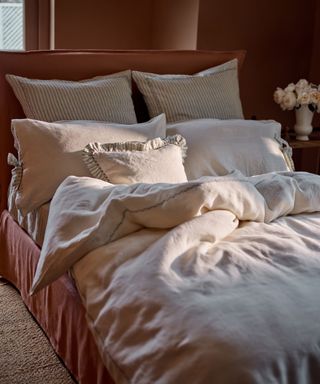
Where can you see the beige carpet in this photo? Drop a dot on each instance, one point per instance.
(26, 356)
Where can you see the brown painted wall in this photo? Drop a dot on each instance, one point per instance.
(126, 24)
(175, 24)
(114, 24)
(315, 58)
(278, 38)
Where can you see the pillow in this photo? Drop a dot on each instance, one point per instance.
(102, 98)
(49, 152)
(213, 93)
(217, 147)
(153, 161)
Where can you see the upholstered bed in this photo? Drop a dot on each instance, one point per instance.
(58, 308)
(183, 270)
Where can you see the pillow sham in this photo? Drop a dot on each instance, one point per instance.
(217, 147)
(49, 152)
(102, 98)
(213, 93)
(153, 161)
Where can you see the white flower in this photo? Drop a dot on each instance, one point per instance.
(302, 83)
(299, 92)
(315, 97)
(278, 95)
(290, 88)
(295, 95)
(304, 98)
(289, 101)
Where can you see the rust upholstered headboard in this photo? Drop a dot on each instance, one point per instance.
(76, 65)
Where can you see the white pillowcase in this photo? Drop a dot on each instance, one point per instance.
(102, 98)
(217, 147)
(212, 93)
(154, 161)
(49, 152)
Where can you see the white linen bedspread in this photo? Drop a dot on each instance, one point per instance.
(204, 282)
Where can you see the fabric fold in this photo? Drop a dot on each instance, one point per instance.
(87, 213)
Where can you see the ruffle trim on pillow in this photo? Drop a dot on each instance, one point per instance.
(90, 150)
(91, 162)
(148, 145)
(16, 171)
(286, 151)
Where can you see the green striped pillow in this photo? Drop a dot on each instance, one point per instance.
(213, 93)
(102, 98)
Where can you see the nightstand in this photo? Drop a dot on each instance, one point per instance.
(306, 154)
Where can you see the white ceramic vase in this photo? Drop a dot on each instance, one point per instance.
(303, 126)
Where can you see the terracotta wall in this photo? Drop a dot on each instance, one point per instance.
(114, 24)
(278, 38)
(315, 57)
(126, 24)
(175, 24)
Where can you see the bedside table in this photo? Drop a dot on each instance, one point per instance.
(306, 154)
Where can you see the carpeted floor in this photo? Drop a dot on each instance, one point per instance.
(26, 355)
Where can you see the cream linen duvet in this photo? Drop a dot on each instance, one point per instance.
(211, 281)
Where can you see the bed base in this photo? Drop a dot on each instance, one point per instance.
(57, 308)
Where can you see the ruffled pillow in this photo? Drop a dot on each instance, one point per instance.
(153, 161)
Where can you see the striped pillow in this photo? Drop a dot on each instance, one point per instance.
(102, 98)
(213, 93)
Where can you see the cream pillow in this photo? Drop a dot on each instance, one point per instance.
(102, 98)
(217, 147)
(154, 161)
(49, 152)
(213, 93)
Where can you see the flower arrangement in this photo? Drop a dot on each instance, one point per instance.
(296, 95)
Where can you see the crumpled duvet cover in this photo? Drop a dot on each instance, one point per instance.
(211, 281)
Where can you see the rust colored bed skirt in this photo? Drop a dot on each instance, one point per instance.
(57, 308)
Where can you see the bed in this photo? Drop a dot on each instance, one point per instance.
(275, 234)
(19, 253)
